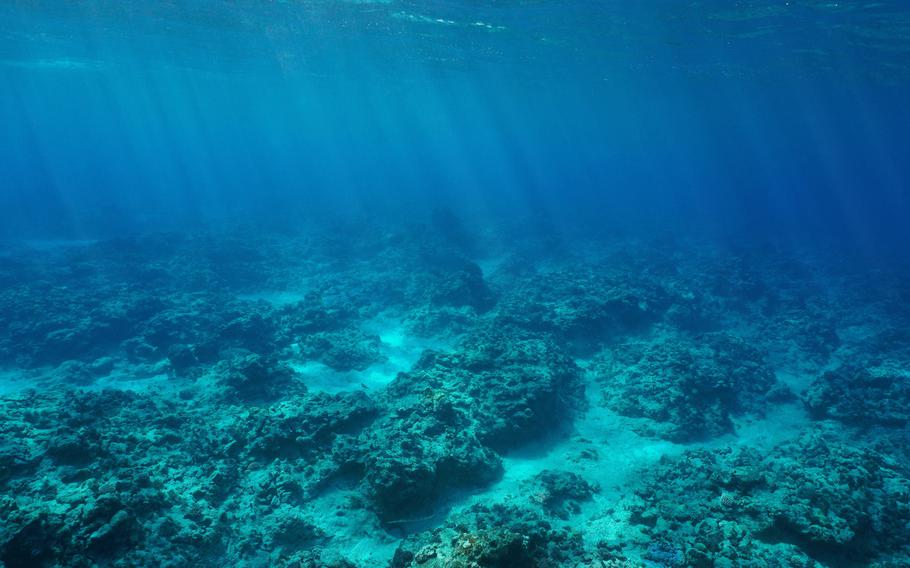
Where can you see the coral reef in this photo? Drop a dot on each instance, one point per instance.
(861, 397)
(813, 500)
(687, 389)
(451, 415)
(583, 308)
(424, 395)
(560, 493)
(497, 536)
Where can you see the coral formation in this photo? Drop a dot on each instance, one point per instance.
(861, 397)
(451, 415)
(396, 398)
(497, 536)
(815, 499)
(687, 388)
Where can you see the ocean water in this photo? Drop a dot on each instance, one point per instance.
(382, 283)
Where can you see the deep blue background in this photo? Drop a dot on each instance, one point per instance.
(783, 123)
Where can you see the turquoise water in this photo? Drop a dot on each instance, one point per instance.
(341, 283)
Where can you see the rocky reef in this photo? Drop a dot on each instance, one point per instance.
(428, 395)
(453, 414)
(813, 501)
(688, 388)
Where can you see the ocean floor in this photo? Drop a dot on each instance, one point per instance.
(433, 396)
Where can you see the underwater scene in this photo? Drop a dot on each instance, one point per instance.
(454, 284)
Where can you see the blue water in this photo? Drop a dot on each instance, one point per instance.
(540, 283)
(775, 117)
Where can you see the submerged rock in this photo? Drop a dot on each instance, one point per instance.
(814, 501)
(561, 493)
(251, 377)
(861, 397)
(453, 415)
(151, 414)
(687, 389)
(497, 536)
(343, 350)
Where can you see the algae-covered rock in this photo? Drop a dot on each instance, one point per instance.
(496, 536)
(343, 350)
(152, 411)
(453, 414)
(422, 452)
(461, 284)
(561, 493)
(304, 426)
(583, 307)
(861, 397)
(251, 377)
(816, 499)
(839, 499)
(687, 389)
